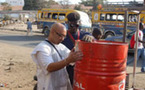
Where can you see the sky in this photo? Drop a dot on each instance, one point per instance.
(77, 1)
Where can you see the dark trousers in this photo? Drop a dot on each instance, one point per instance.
(70, 70)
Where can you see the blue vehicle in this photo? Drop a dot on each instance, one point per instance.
(120, 39)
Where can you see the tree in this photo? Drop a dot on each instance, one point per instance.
(64, 4)
(92, 2)
(87, 2)
(52, 2)
(37, 4)
(28, 4)
(77, 7)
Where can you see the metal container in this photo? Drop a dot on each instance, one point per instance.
(103, 66)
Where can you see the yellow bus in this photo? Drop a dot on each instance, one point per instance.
(46, 17)
(111, 21)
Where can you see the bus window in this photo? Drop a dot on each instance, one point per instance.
(120, 17)
(132, 18)
(135, 18)
(54, 16)
(49, 16)
(102, 17)
(45, 16)
(39, 15)
(42, 15)
(61, 16)
(111, 17)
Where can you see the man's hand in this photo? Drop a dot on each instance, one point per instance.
(88, 38)
(74, 56)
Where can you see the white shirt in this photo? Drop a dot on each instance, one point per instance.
(140, 37)
(43, 55)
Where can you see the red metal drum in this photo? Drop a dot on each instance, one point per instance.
(103, 66)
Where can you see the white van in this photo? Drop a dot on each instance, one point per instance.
(85, 20)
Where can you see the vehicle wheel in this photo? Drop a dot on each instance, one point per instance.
(109, 34)
(46, 32)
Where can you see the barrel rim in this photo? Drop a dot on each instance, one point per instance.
(105, 42)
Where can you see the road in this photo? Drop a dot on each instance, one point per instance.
(21, 39)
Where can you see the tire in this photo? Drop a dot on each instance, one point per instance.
(46, 32)
(109, 34)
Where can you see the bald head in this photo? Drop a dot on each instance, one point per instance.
(57, 33)
(57, 27)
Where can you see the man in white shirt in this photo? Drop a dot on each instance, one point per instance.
(141, 51)
(51, 58)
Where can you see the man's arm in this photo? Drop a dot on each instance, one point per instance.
(57, 65)
(73, 57)
(141, 41)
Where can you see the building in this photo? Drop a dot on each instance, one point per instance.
(15, 4)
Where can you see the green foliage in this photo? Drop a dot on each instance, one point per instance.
(28, 5)
(77, 7)
(133, 3)
(87, 2)
(37, 4)
(4, 4)
(64, 4)
(92, 2)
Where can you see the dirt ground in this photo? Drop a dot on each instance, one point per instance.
(17, 68)
(16, 65)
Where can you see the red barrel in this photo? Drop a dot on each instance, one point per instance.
(103, 66)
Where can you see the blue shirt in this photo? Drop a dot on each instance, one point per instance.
(69, 43)
(29, 25)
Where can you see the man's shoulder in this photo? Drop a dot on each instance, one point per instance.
(61, 45)
(43, 44)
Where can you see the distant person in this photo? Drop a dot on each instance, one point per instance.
(97, 33)
(29, 27)
(51, 58)
(141, 50)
